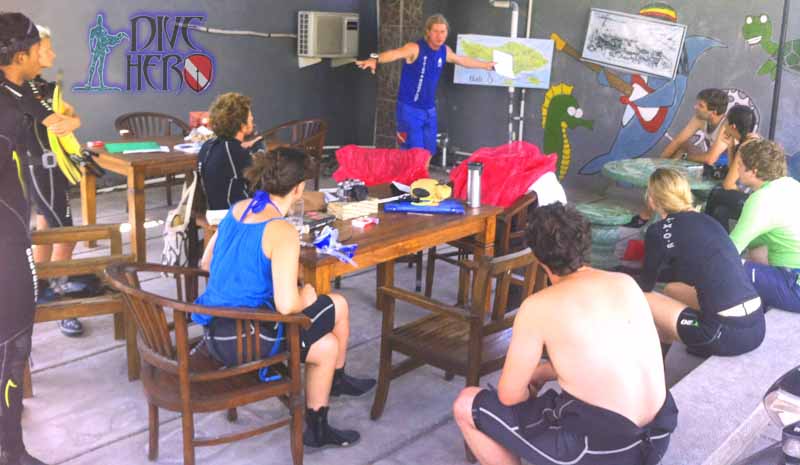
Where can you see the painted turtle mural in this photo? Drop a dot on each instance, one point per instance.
(757, 30)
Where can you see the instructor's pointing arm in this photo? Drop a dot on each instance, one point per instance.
(468, 62)
(407, 52)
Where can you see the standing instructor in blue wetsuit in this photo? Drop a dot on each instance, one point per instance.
(416, 98)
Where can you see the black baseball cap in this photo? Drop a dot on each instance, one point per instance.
(17, 34)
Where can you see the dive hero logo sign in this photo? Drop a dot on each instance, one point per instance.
(162, 55)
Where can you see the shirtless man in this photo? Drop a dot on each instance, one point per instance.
(603, 350)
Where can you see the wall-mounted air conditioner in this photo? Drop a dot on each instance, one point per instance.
(322, 34)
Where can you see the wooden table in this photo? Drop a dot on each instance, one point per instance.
(136, 168)
(397, 235)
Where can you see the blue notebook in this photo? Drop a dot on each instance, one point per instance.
(446, 207)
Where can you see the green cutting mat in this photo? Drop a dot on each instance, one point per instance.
(119, 147)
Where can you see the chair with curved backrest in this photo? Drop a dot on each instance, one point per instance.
(306, 134)
(148, 124)
(470, 341)
(511, 225)
(181, 376)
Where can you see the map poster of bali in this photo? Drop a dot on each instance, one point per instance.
(519, 62)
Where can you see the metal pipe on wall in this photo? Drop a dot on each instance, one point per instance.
(511, 89)
(521, 131)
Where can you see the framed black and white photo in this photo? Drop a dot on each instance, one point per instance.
(634, 43)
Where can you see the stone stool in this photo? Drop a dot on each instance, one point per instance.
(606, 220)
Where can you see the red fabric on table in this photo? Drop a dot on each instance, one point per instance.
(634, 252)
(381, 166)
(508, 172)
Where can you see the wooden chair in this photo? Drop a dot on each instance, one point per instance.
(511, 226)
(148, 124)
(306, 134)
(181, 376)
(470, 342)
(107, 303)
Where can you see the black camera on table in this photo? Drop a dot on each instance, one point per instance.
(715, 172)
(351, 190)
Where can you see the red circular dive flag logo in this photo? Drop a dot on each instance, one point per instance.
(198, 70)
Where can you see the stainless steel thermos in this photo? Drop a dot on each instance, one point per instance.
(474, 171)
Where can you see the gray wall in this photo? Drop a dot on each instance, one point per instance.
(788, 121)
(477, 116)
(264, 69)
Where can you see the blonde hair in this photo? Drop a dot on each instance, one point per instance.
(44, 31)
(669, 190)
(438, 18)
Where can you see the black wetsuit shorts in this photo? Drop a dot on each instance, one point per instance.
(707, 334)
(50, 191)
(560, 429)
(220, 334)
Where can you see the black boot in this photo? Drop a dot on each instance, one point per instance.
(344, 384)
(319, 433)
(22, 459)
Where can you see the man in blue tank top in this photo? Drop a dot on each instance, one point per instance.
(423, 65)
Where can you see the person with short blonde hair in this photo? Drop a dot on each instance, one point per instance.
(669, 189)
(709, 303)
(438, 18)
(770, 220)
(423, 62)
(49, 187)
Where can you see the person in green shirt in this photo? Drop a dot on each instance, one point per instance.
(770, 223)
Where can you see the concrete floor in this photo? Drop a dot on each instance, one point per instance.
(86, 412)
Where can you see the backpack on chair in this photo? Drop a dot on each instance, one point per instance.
(176, 244)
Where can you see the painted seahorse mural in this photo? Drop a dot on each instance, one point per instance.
(561, 111)
(757, 30)
(650, 103)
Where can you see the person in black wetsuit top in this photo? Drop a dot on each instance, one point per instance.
(19, 61)
(223, 159)
(709, 303)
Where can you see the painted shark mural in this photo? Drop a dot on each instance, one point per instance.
(650, 102)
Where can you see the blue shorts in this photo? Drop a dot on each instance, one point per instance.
(416, 127)
(778, 287)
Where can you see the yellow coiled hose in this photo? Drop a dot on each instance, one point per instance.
(64, 146)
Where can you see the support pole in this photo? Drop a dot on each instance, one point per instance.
(776, 90)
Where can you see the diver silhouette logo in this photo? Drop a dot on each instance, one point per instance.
(101, 42)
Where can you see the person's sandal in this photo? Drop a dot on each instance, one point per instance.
(71, 327)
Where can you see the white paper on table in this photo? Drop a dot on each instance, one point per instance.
(503, 64)
(163, 148)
